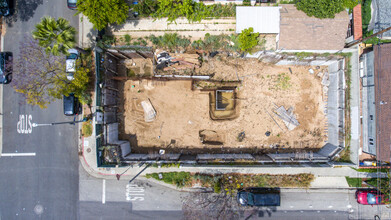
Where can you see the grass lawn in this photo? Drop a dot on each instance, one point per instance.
(368, 170)
(354, 182)
(373, 181)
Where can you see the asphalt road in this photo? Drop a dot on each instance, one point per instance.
(107, 199)
(43, 184)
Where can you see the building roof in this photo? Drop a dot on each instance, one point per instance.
(383, 101)
(357, 22)
(368, 102)
(381, 16)
(301, 32)
(264, 20)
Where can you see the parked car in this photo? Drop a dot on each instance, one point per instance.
(5, 67)
(72, 4)
(370, 197)
(6, 7)
(71, 63)
(72, 105)
(259, 197)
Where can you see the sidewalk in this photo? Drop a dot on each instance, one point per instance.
(2, 33)
(326, 177)
(87, 34)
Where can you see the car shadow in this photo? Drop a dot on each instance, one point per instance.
(23, 10)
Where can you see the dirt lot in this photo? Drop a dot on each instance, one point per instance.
(183, 112)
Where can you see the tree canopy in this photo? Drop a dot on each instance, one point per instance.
(56, 36)
(324, 8)
(248, 40)
(101, 13)
(41, 77)
(191, 10)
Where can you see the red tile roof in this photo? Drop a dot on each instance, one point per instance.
(357, 22)
(383, 101)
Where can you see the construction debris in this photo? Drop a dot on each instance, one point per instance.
(287, 117)
(210, 137)
(173, 62)
(149, 111)
(241, 136)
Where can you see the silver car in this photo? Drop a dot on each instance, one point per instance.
(71, 63)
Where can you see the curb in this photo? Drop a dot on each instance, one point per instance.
(1, 86)
(210, 190)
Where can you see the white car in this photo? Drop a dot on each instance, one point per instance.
(71, 63)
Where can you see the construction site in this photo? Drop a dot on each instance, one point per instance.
(226, 104)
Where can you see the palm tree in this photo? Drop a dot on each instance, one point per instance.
(56, 36)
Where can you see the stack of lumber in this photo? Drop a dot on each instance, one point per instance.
(183, 62)
(177, 61)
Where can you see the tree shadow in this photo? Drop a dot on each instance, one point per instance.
(23, 10)
(118, 27)
(26, 8)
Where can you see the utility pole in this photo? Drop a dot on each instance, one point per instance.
(58, 123)
(369, 37)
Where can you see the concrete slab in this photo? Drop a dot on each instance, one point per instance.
(324, 182)
(354, 106)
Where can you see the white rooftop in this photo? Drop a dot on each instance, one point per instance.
(264, 20)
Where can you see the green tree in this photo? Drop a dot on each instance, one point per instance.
(101, 13)
(77, 86)
(248, 40)
(41, 76)
(324, 8)
(56, 36)
(145, 7)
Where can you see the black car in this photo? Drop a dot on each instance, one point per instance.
(72, 4)
(72, 105)
(5, 7)
(259, 197)
(5, 67)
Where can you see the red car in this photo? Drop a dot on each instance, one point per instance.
(370, 197)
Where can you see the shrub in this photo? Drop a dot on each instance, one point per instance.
(85, 98)
(248, 40)
(321, 8)
(246, 2)
(193, 11)
(180, 179)
(152, 175)
(217, 186)
(366, 17)
(86, 129)
(107, 40)
(128, 38)
(350, 4)
(169, 41)
(145, 7)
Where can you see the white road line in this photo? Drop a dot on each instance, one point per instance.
(17, 154)
(104, 192)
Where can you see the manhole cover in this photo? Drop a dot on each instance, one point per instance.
(38, 209)
(88, 150)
